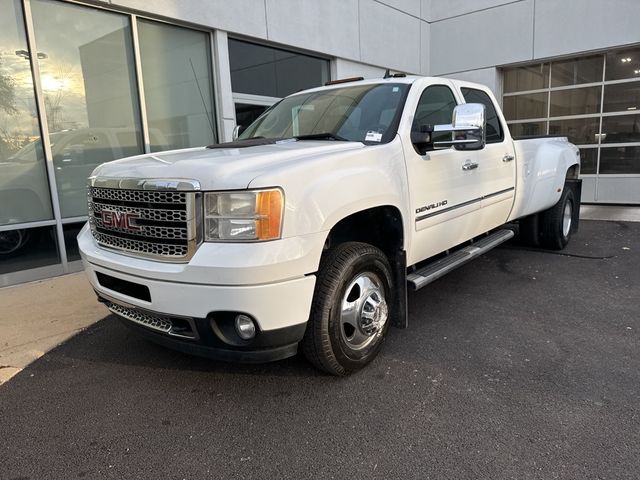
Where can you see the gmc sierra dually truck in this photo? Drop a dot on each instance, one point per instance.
(308, 229)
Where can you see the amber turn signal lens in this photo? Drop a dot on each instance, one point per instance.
(269, 207)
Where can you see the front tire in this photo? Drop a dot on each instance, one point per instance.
(350, 311)
(556, 223)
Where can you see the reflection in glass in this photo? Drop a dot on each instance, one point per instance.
(88, 82)
(588, 161)
(70, 232)
(620, 160)
(246, 114)
(262, 70)
(24, 190)
(177, 86)
(530, 105)
(365, 113)
(531, 77)
(576, 101)
(622, 97)
(621, 128)
(577, 71)
(580, 131)
(528, 129)
(27, 248)
(623, 64)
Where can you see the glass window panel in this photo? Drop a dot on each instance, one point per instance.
(577, 71)
(177, 85)
(70, 232)
(246, 114)
(262, 70)
(532, 77)
(26, 248)
(620, 160)
(588, 161)
(520, 107)
(621, 97)
(435, 107)
(493, 132)
(623, 64)
(528, 129)
(580, 131)
(621, 128)
(24, 189)
(88, 82)
(577, 101)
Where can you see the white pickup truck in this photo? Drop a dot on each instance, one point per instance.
(308, 229)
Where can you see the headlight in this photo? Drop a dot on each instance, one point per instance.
(243, 216)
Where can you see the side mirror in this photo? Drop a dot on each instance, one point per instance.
(237, 131)
(468, 128)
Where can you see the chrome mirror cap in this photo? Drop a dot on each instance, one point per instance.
(468, 128)
(236, 132)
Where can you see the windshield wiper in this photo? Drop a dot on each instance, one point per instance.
(322, 136)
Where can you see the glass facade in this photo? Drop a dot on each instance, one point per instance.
(177, 85)
(261, 75)
(593, 100)
(80, 86)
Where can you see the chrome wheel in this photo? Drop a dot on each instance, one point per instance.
(364, 311)
(566, 218)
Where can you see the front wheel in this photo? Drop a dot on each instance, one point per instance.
(556, 223)
(350, 311)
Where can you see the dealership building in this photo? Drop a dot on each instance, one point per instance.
(86, 82)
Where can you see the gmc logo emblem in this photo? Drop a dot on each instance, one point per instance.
(122, 220)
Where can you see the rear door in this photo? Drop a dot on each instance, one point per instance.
(496, 170)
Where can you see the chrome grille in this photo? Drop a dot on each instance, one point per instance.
(139, 195)
(137, 217)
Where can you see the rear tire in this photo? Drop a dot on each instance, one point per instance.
(556, 223)
(350, 311)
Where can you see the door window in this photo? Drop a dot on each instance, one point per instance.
(495, 133)
(435, 107)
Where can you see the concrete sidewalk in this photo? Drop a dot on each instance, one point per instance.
(36, 317)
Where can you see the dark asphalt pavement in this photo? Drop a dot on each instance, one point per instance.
(521, 365)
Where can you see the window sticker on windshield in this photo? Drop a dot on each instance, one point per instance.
(373, 136)
(395, 89)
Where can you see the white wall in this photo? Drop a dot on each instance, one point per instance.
(469, 35)
(387, 33)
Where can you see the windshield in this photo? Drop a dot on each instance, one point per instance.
(364, 113)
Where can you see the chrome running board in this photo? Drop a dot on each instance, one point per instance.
(441, 267)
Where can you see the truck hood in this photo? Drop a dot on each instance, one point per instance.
(223, 168)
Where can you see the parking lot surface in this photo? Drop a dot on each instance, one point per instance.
(522, 364)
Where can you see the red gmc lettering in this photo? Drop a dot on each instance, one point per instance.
(122, 220)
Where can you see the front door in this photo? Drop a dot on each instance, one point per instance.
(444, 185)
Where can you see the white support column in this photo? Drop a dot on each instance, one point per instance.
(225, 108)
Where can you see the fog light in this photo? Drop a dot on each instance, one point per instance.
(245, 327)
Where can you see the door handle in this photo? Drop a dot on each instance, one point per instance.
(469, 165)
(508, 158)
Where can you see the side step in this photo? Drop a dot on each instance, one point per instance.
(441, 267)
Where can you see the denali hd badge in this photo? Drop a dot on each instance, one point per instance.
(431, 206)
(124, 220)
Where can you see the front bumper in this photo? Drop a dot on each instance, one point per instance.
(197, 317)
(204, 337)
